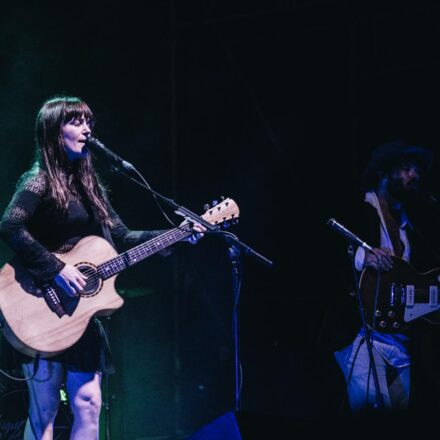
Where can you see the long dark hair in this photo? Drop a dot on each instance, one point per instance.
(66, 178)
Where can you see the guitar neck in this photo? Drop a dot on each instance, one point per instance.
(135, 255)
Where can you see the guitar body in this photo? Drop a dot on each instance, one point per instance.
(45, 320)
(393, 299)
(31, 326)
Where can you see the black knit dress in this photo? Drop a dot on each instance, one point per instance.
(35, 229)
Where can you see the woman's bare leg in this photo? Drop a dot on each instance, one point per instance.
(84, 391)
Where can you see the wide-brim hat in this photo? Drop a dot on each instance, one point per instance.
(385, 156)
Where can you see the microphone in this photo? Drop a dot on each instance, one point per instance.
(95, 145)
(347, 234)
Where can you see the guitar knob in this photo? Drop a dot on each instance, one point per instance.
(396, 324)
(214, 203)
(391, 314)
(206, 206)
(382, 324)
(378, 313)
(222, 198)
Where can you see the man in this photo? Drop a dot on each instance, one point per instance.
(391, 179)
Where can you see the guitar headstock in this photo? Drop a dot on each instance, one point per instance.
(223, 212)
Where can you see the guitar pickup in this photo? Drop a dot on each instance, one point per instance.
(433, 296)
(410, 294)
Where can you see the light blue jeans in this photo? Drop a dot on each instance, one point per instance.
(394, 382)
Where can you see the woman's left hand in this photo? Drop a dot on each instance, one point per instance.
(198, 232)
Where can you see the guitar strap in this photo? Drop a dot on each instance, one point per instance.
(393, 228)
(106, 234)
(105, 356)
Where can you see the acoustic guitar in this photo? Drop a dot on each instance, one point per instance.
(394, 299)
(46, 320)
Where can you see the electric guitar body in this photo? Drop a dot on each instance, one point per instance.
(393, 299)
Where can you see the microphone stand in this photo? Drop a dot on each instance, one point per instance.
(353, 239)
(378, 396)
(236, 249)
(108, 397)
(234, 255)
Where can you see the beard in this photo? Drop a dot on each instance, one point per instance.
(404, 193)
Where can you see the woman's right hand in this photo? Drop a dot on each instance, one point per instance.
(379, 259)
(71, 280)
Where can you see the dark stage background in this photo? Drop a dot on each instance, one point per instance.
(276, 104)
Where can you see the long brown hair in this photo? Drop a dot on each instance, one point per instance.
(67, 178)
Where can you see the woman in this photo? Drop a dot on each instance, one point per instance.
(58, 202)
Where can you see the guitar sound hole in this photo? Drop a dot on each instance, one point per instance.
(93, 281)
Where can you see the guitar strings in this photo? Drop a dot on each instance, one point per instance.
(136, 250)
(93, 274)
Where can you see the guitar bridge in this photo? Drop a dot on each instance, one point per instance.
(53, 301)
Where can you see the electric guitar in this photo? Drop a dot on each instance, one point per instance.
(46, 320)
(394, 298)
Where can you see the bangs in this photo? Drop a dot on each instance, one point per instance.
(77, 109)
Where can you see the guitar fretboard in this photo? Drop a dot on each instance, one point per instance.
(132, 256)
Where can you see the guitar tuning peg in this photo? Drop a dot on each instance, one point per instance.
(206, 206)
(214, 203)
